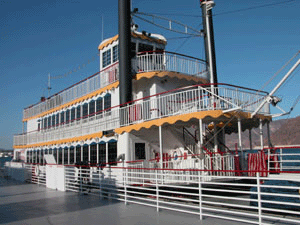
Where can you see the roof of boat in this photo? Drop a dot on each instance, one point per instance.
(153, 38)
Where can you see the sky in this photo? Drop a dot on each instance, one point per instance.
(253, 40)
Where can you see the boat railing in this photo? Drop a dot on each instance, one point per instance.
(192, 99)
(99, 80)
(169, 61)
(180, 101)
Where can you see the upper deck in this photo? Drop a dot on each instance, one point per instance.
(142, 63)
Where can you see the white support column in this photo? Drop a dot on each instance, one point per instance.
(106, 146)
(269, 134)
(75, 154)
(160, 146)
(250, 139)
(81, 153)
(240, 142)
(200, 133)
(89, 149)
(215, 137)
(261, 134)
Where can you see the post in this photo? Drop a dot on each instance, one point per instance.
(200, 197)
(259, 198)
(261, 134)
(81, 153)
(157, 192)
(200, 133)
(160, 146)
(240, 141)
(269, 135)
(250, 139)
(125, 185)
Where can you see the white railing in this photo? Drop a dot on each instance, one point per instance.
(178, 102)
(193, 99)
(250, 200)
(167, 61)
(91, 84)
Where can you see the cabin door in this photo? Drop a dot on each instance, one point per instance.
(140, 151)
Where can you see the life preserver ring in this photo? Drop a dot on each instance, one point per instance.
(37, 170)
(176, 155)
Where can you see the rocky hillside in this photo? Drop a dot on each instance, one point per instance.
(283, 132)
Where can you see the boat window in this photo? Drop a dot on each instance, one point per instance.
(92, 108)
(102, 153)
(78, 113)
(68, 116)
(53, 121)
(133, 49)
(107, 101)
(55, 155)
(93, 154)
(62, 117)
(57, 119)
(115, 53)
(112, 153)
(39, 126)
(99, 105)
(28, 157)
(45, 123)
(106, 58)
(72, 114)
(38, 156)
(85, 110)
(78, 154)
(49, 121)
(59, 156)
(66, 155)
(140, 152)
(145, 48)
(85, 154)
(71, 155)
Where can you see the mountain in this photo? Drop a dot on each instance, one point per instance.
(283, 132)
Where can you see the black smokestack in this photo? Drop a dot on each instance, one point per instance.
(209, 41)
(125, 77)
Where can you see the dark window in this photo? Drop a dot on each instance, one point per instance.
(107, 101)
(53, 121)
(145, 48)
(78, 154)
(133, 49)
(55, 155)
(66, 156)
(49, 121)
(57, 119)
(38, 156)
(62, 117)
(78, 116)
(102, 153)
(72, 114)
(45, 123)
(93, 154)
(50, 151)
(140, 151)
(92, 108)
(39, 126)
(71, 155)
(112, 153)
(106, 58)
(68, 116)
(99, 105)
(115, 53)
(85, 154)
(85, 110)
(28, 156)
(60, 156)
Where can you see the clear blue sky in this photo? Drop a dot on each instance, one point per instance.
(42, 37)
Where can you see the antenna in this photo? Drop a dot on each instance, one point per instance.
(49, 85)
(102, 28)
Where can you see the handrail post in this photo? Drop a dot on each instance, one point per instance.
(157, 191)
(200, 196)
(125, 185)
(259, 205)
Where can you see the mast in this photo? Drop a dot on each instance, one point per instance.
(125, 77)
(209, 42)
